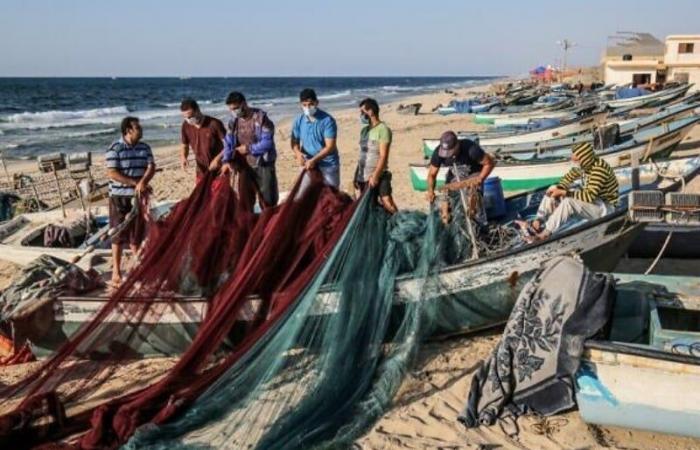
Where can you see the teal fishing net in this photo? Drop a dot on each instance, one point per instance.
(331, 366)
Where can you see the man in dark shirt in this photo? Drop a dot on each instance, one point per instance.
(251, 135)
(462, 155)
(204, 135)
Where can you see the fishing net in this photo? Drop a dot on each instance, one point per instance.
(332, 364)
(208, 244)
(314, 311)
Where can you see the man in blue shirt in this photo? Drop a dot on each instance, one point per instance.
(130, 167)
(314, 135)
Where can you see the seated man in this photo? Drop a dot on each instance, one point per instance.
(598, 194)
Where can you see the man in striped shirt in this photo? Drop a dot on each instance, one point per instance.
(597, 195)
(130, 167)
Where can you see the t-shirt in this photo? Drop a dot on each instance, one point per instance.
(130, 161)
(206, 141)
(467, 158)
(312, 133)
(370, 138)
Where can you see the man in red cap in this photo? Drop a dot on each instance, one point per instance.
(463, 155)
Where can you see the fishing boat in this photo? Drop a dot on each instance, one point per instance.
(531, 138)
(683, 242)
(516, 115)
(650, 99)
(487, 285)
(25, 237)
(566, 134)
(518, 175)
(410, 109)
(645, 374)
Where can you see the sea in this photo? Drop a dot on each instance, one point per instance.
(48, 115)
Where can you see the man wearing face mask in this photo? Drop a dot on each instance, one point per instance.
(130, 167)
(375, 141)
(597, 195)
(204, 135)
(314, 135)
(251, 134)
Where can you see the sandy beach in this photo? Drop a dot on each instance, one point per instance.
(434, 392)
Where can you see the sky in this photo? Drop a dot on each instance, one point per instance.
(318, 38)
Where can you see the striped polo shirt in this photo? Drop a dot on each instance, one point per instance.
(131, 161)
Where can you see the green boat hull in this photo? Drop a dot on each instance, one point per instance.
(419, 183)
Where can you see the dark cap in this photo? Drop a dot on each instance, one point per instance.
(448, 144)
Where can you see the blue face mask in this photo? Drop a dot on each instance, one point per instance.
(364, 119)
(309, 111)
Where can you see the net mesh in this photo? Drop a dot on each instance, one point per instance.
(315, 309)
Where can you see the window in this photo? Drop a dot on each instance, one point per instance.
(681, 77)
(641, 78)
(686, 47)
(627, 57)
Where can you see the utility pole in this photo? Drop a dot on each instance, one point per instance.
(566, 45)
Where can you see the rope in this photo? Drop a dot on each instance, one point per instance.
(657, 169)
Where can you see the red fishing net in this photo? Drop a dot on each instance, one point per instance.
(250, 268)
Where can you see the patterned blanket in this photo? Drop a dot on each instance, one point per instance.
(531, 370)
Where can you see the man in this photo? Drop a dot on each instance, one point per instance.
(598, 193)
(463, 155)
(314, 135)
(251, 134)
(375, 141)
(204, 135)
(130, 167)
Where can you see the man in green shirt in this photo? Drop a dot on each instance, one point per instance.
(372, 167)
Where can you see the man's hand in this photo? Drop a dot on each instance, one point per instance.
(214, 165)
(430, 195)
(374, 180)
(183, 162)
(140, 187)
(300, 159)
(226, 168)
(242, 149)
(310, 164)
(556, 192)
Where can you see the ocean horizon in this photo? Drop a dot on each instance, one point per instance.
(41, 115)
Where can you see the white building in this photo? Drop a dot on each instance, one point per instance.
(642, 59)
(682, 58)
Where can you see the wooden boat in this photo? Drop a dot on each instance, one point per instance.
(683, 244)
(409, 110)
(517, 175)
(524, 145)
(22, 238)
(496, 140)
(646, 373)
(488, 286)
(522, 115)
(650, 99)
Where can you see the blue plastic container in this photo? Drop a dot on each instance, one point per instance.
(494, 200)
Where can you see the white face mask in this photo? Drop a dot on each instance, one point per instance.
(309, 111)
(194, 120)
(237, 113)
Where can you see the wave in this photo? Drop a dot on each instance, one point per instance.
(84, 134)
(58, 115)
(340, 94)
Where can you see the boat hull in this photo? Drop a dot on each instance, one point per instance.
(639, 392)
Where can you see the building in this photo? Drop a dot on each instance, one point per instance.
(682, 59)
(640, 58)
